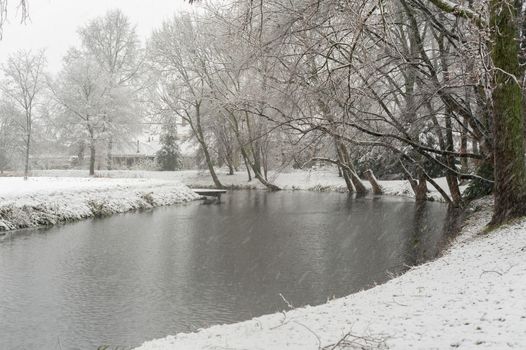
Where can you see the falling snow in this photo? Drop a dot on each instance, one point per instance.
(471, 298)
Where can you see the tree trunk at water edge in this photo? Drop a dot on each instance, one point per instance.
(508, 119)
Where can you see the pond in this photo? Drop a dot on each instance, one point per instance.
(129, 278)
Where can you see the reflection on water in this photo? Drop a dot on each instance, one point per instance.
(129, 278)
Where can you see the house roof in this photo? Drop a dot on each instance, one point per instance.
(135, 148)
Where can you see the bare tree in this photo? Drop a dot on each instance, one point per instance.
(180, 87)
(112, 42)
(416, 79)
(83, 88)
(24, 80)
(8, 134)
(22, 7)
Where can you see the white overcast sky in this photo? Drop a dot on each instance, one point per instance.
(53, 23)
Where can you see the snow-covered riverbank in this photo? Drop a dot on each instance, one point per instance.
(473, 297)
(55, 196)
(47, 201)
(321, 180)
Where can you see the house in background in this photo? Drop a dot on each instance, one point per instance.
(128, 152)
(140, 152)
(134, 153)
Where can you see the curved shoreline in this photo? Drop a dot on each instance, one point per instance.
(471, 297)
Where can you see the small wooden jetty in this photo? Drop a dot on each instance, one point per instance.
(209, 192)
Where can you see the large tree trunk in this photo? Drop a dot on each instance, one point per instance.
(267, 184)
(255, 164)
(345, 172)
(257, 174)
(451, 177)
(464, 147)
(245, 160)
(198, 131)
(109, 159)
(452, 183)
(229, 159)
(508, 121)
(28, 145)
(81, 150)
(420, 187)
(352, 180)
(210, 165)
(356, 181)
(92, 151)
(377, 189)
(92, 158)
(265, 165)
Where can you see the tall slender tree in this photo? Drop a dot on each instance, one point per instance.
(24, 80)
(82, 90)
(112, 42)
(507, 99)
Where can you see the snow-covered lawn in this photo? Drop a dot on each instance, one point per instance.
(47, 201)
(325, 179)
(473, 297)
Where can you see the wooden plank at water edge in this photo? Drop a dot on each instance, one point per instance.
(209, 192)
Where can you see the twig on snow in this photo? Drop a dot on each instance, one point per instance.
(310, 330)
(354, 341)
(286, 301)
(497, 272)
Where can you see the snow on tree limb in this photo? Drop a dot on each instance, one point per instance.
(460, 11)
(22, 7)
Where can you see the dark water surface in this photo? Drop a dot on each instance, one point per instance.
(133, 277)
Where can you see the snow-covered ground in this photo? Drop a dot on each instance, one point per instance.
(47, 200)
(325, 179)
(472, 297)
